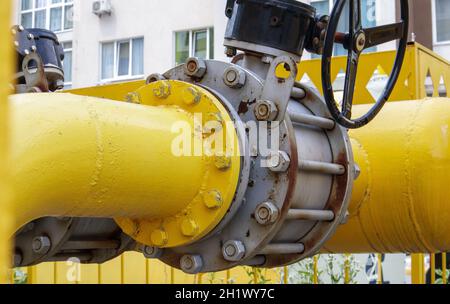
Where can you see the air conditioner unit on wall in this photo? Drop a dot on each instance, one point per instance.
(102, 7)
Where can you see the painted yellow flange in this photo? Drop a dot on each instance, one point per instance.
(214, 140)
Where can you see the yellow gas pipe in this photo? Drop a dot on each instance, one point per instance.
(82, 156)
(401, 201)
(6, 64)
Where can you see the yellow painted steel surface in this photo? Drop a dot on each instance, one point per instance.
(215, 144)
(401, 199)
(106, 159)
(6, 63)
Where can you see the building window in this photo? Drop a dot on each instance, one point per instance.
(67, 63)
(55, 15)
(123, 59)
(442, 21)
(368, 8)
(194, 43)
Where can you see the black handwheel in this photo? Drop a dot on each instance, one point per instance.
(356, 41)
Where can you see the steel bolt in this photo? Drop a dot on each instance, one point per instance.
(233, 251)
(234, 77)
(267, 213)
(279, 162)
(33, 48)
(20, 28)
(159, 238)
(213, 199)
(195, 67)
(230, 51)
(191, 96)
(155, 77)
(163, 90)
(151, 252)
(191, 264)
(222, 162)
(30, 36)
(41, 245)
(266, 110)
(189, 227)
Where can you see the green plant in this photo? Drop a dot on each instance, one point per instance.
(303, 272)
(439, 273)
(19, 276)
(256, 275)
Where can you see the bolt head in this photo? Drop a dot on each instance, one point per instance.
(267, 213)
(41, 244)
(222, 162)
(155, 77)
(279, 162)
(234, 77)
(191, 264)
(230, 51)
(159, 238)
(213, 199)
(195, 67)
(191, 96)
(266, 110)
(233, 251)
(163, 90)
(189, 227)
(151, 252)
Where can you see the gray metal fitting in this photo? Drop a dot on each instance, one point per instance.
(191, 264)
(279, 162)
(234, 77)
(41, 244)
(195, 67)
(233, 251)
(267, 213)
(155, 77)
(151, 252)
(266, 110)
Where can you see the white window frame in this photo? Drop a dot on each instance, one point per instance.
(434, 21)
(69, 83)
(208, 30)
(46, 8)
(116, 76)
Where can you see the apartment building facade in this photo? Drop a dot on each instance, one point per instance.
(140, 37)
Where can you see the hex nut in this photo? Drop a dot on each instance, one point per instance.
(155, 77)
(213, 199)
(222, 162)
(279, 162)
(189, 227)
(266, 110)
(195, 67)
(191, 264)
(234, 77)
(267, 213)
(233, 251)
(151, 252)
(159, 237)
(41, 245)
(357, 171)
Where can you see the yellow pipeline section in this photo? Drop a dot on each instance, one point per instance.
(83, 156)
(6, 63)
(401, 201)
